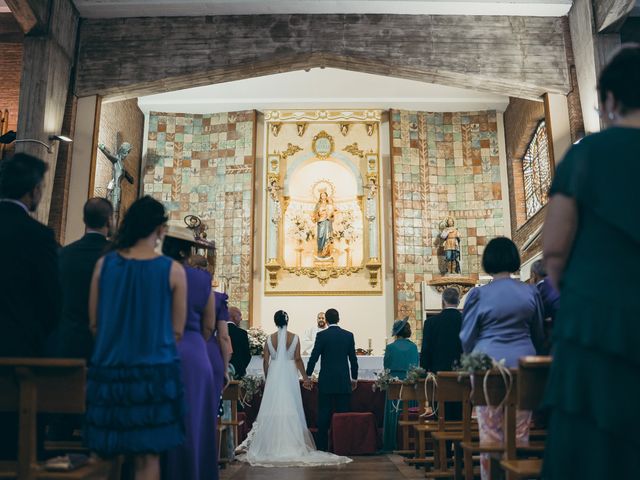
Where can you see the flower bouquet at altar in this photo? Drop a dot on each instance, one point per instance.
(301, 227)
(257, 339)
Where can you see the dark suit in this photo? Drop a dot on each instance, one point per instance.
(441, 345)
(241, 353)
(29, 297)
(29, 284)
(77, 261)
(337, 349)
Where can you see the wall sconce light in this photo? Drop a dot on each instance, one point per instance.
(10, 137)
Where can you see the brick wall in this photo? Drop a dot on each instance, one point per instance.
(10, 67)
(520, 119)
(127, 119)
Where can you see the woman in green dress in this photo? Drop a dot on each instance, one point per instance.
(592, 251)
(399, 356)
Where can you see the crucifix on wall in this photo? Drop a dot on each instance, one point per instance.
(114, 190)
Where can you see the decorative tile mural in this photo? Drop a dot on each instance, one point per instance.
(204, 165)
(443, 164)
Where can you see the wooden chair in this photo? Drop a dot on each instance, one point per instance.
(31, 386)
(452, 388)
(425, 424)
(532, 380)
(233, 394)
(405, 394)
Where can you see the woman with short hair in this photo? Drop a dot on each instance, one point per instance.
(504, 320)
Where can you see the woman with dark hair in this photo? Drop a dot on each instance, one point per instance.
(279, 436)
(592, 251)
(197, 458)
(399, 357)
(504, 320)
(137, 310)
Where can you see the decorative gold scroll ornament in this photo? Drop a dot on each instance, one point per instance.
(291, 150)
(323, 273)
(354, 150)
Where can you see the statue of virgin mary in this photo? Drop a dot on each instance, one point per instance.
(323, 215)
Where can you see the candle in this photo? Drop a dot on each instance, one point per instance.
(369, 344)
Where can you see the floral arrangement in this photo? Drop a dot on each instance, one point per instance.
(344, 228)
(474, 362)
(301, 227)
(383, 380)
(250, 386)
(257, 338)
(414, 374)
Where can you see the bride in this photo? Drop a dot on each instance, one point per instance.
(280, 436)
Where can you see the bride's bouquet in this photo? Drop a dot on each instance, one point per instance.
(257, 338)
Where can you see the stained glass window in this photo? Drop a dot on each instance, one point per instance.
(536, 169)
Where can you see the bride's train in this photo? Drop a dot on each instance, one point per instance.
(280, 437)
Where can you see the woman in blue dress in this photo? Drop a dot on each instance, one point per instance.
(399, 357)
(137, 308)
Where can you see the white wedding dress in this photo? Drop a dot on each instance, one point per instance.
(280, 437)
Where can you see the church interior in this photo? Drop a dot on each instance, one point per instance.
(351, 155)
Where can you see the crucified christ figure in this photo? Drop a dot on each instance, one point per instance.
(117, 159)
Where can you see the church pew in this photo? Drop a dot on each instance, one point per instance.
(31, 386)
(424, 426)
(532, 380)
(406, 421)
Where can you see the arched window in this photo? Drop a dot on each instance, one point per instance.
(536, 169)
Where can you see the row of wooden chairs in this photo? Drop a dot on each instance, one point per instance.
(33, 386)
(428, 437)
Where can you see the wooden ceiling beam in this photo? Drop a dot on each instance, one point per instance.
(609, 15)
(31, 15)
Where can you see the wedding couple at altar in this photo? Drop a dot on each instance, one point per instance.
(280, 436)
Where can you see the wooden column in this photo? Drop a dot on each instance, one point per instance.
(49, 51)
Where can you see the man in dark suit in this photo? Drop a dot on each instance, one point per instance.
(550, 301)
(336, 348)
(441, 345)
(77, 261)
(240, 342)
(29, 284)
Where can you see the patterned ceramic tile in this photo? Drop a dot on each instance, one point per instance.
(204, 165)
(443, 164)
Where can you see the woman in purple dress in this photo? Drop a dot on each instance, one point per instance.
(196, 459)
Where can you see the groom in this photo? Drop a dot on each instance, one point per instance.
(337, 349)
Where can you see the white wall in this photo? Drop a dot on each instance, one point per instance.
(368, 317)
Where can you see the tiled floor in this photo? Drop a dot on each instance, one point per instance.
(380, 467)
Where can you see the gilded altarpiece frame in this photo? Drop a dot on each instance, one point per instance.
(322, 200)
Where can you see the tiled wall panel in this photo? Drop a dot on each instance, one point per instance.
(443, 164)
(204, 165)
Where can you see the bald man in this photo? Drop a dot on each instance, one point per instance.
(240, 342)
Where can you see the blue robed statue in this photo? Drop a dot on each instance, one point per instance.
(323, 215)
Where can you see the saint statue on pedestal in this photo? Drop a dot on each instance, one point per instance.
(323, 215)
(451, 244)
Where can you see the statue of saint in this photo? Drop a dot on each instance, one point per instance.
(451, 244)
(323, 215)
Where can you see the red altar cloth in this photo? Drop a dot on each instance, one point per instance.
(354, 434)
(363, 400)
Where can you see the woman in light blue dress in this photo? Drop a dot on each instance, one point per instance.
(399, 357)
(504, 320)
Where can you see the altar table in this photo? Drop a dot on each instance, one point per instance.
(367, 366)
